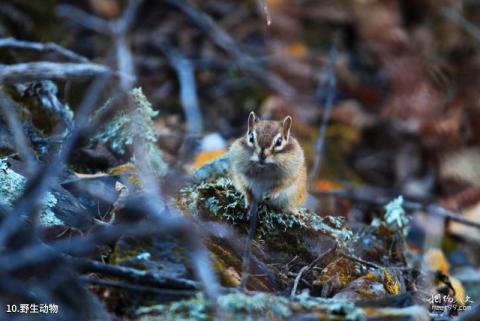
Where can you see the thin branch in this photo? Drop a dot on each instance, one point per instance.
(12, 43)
(379, 200)
(139, 288)
(226, 42)
(469, 27)
(263, 4)
(118, 31)
(82, 18)
(361, 261)
(134, 275)
(188, 89)
(128, 16)
(34, 71)
(330, 97)
(308, 267)
(374, 265)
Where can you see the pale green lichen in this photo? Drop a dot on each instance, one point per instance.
(12, 187)
(347, 310)
(261, 306)
(131, 124)
(12, 183)
(395, 216)
(234, 306)
(194, 309)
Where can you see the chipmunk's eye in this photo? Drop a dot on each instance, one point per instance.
(278, 142)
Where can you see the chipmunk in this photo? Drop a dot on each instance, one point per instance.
(268, 164)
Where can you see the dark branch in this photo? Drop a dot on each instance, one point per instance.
(379, 200)
(34, 71)
(330, 97)
(134, 275)
(15, 44)
(224, 41)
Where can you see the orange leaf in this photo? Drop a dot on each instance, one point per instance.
(206, 156)
(325, 186)
(296, 49)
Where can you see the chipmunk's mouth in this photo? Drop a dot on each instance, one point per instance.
(261, 163)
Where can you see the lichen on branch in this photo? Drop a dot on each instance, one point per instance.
(132, 122)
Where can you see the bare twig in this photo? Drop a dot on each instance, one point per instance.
(252, 214)
(12, 43)
(263, 4)
(33, 71)
(308, 267)
(224, 41)
(116, 29)
(374, 265)
(82, 18)
(188, 91)
(469, 27)
(330, 97)
(297, 280)
(109, 217)
(179, 293)
(134, 275)
(128, 15)
(379, 200)
(361, 261)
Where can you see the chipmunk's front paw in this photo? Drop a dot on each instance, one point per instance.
(269, 196)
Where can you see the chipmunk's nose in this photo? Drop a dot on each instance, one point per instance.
(261, 156)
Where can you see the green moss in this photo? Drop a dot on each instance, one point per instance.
(12, 187)
(218, 200)
(132, 123)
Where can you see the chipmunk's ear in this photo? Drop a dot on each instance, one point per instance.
(252, 118)
(286, 126)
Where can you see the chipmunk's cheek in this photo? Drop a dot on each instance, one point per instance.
(269, 160)
(254, 157)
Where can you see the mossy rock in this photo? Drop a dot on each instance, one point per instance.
(217, 200)
(280, 236)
